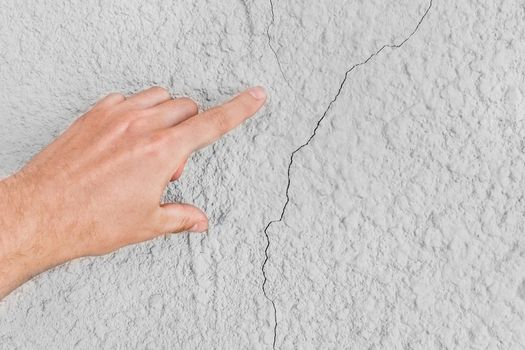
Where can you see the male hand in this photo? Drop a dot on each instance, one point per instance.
(98, 186)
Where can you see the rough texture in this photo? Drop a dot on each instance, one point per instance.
(399, 225)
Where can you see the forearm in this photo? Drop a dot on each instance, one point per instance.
(10, 274)
(14, 271)
(20, 259)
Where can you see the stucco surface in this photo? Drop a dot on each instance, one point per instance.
(387, 172)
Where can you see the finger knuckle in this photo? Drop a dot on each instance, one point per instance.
(108, 101)
(178, 139)
(118, 126)
(115, 96)
(122, 122)
(155, 144)
(189, 103)
(160, 91)
(136, 125)
(183, 224)
(221, 119)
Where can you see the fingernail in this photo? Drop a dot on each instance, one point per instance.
(257, 92)
(199, 227)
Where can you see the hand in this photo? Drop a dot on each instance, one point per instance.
(98, 186)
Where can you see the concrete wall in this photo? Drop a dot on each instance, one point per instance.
(398, 225)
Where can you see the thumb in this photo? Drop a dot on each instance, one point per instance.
(177, 217)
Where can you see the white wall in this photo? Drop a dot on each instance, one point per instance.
(405, 222)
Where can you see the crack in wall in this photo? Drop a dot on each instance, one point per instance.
(314, 133)
(271, 46)
(249, 21)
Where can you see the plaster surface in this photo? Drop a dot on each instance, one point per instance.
(376, 202)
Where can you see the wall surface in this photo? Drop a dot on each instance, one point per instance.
(386, 173)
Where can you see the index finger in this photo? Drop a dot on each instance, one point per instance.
(207, 127)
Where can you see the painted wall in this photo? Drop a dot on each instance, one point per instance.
(387, 173)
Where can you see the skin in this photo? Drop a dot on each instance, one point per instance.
(98, 186)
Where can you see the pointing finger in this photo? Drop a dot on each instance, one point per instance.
(205, 128)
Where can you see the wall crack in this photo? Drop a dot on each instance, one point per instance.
(310, 138)
(270, 25)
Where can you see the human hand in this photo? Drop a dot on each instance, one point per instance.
(98, 186)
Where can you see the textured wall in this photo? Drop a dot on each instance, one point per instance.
(387, 172)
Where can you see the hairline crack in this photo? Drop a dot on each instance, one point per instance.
(312, 135)
(271, 24)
